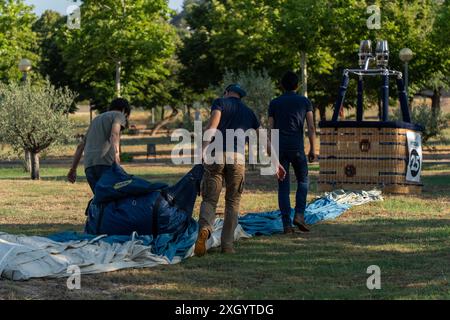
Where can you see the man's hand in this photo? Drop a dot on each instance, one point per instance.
(312, 136)
(117, 158)
(312, 156)
(72, 175)
(281, 172)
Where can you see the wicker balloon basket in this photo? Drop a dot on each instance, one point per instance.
(364, 159)
(363, 155)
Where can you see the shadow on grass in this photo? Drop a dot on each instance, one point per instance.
(435, 186)
(44, 229)
(330, 262)
(138, 141)
(81, 179)
(254, 181)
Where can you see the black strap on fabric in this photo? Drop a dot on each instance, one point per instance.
(86, 212)
(167, 196)
(155, 217)
(100, 218)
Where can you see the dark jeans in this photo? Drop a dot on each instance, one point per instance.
(93, 174)
(300, 165)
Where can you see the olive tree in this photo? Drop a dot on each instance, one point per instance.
(34, 118)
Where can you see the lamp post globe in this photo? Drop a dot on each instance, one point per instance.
(25, 66)
(406, 56)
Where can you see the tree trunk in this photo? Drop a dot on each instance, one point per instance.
(323, 112)
(27, 161)
(189, 108)
(35, 166)
(165, 121)
(189, 117)
(118, 72)
(304, 70)
(436, 102)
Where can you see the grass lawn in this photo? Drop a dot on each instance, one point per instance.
(408, 237)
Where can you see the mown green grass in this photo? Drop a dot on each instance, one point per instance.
(407, 236)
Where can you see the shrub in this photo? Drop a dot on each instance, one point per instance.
(433, 124)
(35, 118)
(259, 87)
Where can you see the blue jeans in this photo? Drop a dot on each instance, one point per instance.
(93, 174)
(300, 165)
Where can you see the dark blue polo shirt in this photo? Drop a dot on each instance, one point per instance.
(289, 113)
(235, 115)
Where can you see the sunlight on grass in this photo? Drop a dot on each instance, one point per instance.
(407, 236)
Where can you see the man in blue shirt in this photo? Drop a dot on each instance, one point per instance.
(287, 113)
(228, 112)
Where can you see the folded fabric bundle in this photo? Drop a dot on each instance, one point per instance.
(124, 204)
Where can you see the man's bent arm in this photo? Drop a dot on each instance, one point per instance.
(311, 135)
(72, 175)
(77, 156)
(280, 171)
(212, 124)
(115, 140)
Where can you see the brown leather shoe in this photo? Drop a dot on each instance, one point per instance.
(299, 222)
(288, 230)
(200, 244)
(228, 251)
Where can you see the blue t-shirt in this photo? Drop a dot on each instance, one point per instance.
(235, 115)
(289, 113)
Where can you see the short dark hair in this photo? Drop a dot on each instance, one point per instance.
(120, 104)
(290, 80)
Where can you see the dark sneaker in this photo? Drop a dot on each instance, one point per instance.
(228, 251)
(288, 230)
(299, 222)
(200, 244)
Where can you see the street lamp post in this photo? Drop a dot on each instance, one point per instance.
(25, 67)
(406, 56)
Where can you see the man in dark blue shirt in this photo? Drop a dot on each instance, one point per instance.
(287, 113)
(234, 115)
(228, 112)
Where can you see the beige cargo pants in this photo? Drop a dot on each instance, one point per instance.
(233, 174)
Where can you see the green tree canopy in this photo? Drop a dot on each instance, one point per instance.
(133, 35)
(228, 35)
(48, 30)
(17, 39)
(272, 34)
